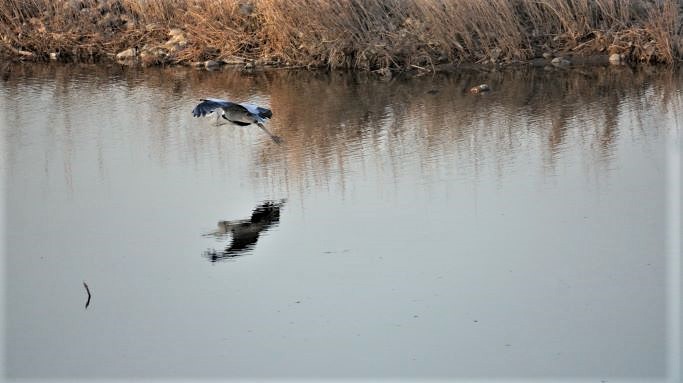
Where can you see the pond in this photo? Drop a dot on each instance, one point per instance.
(403, 229)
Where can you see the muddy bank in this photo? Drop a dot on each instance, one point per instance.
(384, 37)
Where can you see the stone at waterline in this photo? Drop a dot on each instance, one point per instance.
(480, 88)
(560, 61)
(127, 54)
(615, 59)
(151, 56)
(211, 64)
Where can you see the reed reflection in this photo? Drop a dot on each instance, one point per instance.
(337, 123)
(432, 126)
(244, 233)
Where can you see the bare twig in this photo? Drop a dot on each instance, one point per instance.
(87, 290)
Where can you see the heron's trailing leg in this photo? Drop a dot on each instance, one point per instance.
(276, 139)
(220, 114)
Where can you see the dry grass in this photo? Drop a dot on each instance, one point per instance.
(359, 34)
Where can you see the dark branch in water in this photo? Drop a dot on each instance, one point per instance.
(87, 290)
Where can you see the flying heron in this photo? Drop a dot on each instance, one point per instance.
(238, 114)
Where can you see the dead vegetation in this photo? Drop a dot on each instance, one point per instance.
(373, 35)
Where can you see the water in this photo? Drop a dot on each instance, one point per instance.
(405, 229)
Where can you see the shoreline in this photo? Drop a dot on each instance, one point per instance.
(412, 36)
(250, 66)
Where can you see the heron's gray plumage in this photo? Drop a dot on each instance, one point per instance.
(239, 114)
(207, 106)
(241, 111)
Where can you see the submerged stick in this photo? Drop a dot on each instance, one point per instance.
(87, 290)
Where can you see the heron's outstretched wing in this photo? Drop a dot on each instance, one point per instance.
(257, 110)
(208, 105)
(236, 108)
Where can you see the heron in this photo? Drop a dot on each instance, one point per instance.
(238, 113)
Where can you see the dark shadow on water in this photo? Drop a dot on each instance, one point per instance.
(243, 234)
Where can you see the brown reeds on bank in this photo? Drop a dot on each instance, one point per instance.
(356, 34)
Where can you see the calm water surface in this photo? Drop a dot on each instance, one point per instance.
(405, 229)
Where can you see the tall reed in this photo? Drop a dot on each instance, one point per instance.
(360, 34)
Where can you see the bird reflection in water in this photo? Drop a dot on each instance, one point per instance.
(245, 232)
